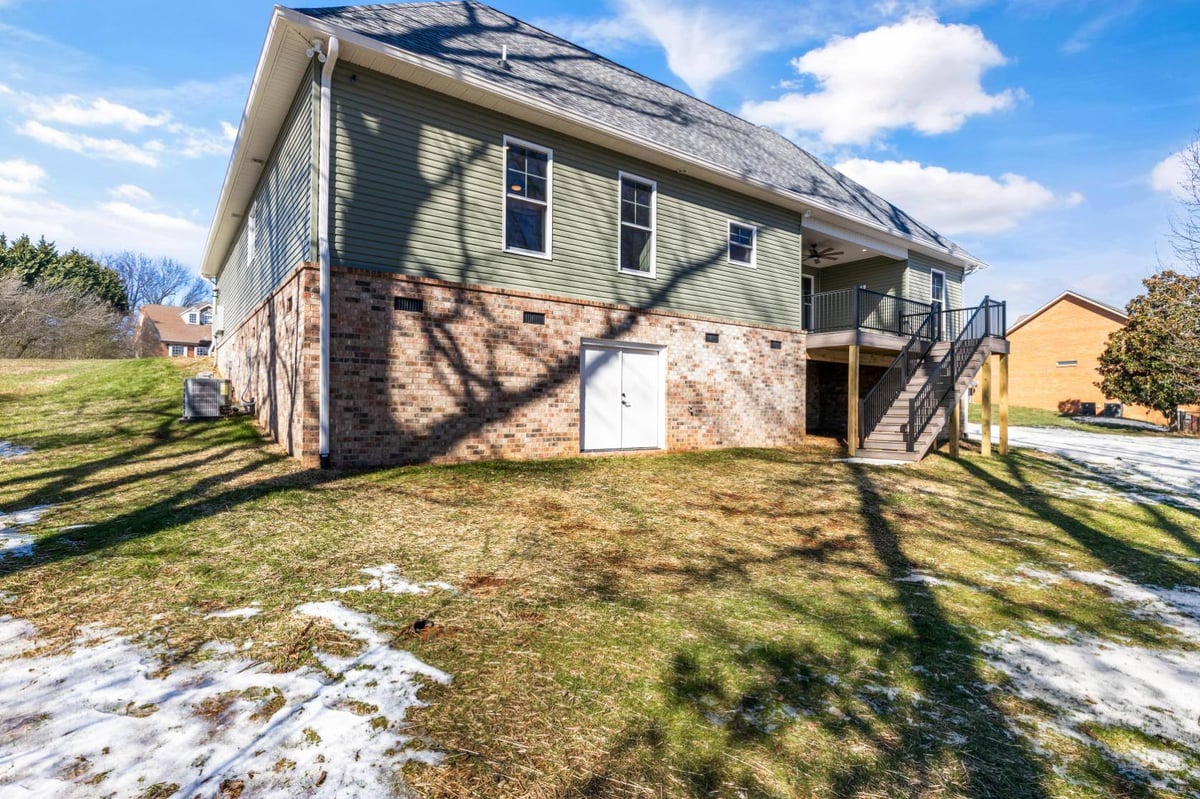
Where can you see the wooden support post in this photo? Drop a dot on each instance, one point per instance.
(955, 429)
(852, 402)
(1004, 404)
(985, 406)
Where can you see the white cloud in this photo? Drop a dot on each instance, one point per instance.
(229, 131)
(1091, 30)
(917, 73)
(114, 149)
(702, 43)
(102, 227)
(20, 177)
(71, 110)
(956, 202)
(131, 193)
(1170, 173)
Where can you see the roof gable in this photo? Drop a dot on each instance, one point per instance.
(1095, 306)
(172, 326)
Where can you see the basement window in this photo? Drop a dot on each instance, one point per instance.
(534, 318)
(1068, 363)
(410, 304)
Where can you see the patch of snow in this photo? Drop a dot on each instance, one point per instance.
(1027, 576)
(235, 613)
(1175, 607)
(1089, 679)
(1108, 421)
(13, 542)
(76, 527)
(1147, 470)
(103, 718)
(11, 450)
(388, 580)
(922, 577)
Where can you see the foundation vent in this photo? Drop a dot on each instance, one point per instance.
(535, 318)
(410, 304)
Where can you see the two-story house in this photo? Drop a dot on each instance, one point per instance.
(178, 332)
(447, 234)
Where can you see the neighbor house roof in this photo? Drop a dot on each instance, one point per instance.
(463, 41)
(1116, 314)
(173, 328)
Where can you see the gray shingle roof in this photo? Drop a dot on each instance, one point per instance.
(469, 36)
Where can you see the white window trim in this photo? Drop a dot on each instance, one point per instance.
(200, 354)
(171, 350)
(945, 287)
(193, 318)
(549, 253)
(753, 244)
(653, 184)
(808, 287)
(252, 234)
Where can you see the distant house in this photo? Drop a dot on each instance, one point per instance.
(1056, 352)
(446, 234)
(173, 331)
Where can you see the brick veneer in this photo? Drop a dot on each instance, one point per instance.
(467, 379)
(273, 356)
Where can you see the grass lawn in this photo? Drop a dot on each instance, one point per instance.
(741, 623)
(1039, 417)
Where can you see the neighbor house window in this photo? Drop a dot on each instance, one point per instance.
(201, 351)
(637, 224)
(1068, 363)
(206, 318)
(526, 197)
(177, 351)
(742, 241)
(193, 318)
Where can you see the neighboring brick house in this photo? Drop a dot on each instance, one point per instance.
(174, 331)
(446, 234)
(1057, 352)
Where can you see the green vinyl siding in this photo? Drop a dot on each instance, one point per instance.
(917, 282)
(418, 189)
(284, 218)
(881, 274)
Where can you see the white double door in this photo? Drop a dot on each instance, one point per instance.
(622, 397)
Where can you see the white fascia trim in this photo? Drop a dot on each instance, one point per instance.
(237, 156)
(350, 37)
(882, 247)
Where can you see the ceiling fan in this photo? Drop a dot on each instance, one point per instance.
(816, 254)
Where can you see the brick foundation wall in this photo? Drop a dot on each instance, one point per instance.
(468, 379)
(273, 356)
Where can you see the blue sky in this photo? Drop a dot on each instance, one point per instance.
(1039, 134)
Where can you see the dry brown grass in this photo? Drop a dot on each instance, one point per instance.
(711, 624)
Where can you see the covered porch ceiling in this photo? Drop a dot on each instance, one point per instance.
(826, 246)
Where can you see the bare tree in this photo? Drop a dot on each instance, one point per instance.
(1185, 226)
(56, 321)
(199, 291)
(153, 281)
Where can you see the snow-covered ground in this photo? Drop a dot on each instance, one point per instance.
(386, 578)
(104, 719)
(14, 542)
(1139, 468)
(11, 450)
(1087, 679)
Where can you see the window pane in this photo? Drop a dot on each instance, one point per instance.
(635, 249)
(635, 202)
(740, 234)
(740, 254)
(525, 226)
(526, 173)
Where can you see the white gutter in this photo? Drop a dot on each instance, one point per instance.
(329, 59)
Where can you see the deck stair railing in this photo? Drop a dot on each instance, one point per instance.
(973, 325)
(874, 406)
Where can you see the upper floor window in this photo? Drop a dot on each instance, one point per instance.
(206, 318)
(193, 318)
(742, 243)
(637, 224)
(527, 197)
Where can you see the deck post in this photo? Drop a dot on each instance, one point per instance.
(955, 429)
(985, 407)
(1004, 403)
(852, 402)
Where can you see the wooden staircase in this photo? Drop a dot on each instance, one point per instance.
(925, 382)
(887, 441)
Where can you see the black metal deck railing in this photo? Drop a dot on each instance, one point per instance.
(864, 309)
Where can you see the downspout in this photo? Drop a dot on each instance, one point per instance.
(329, 59)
